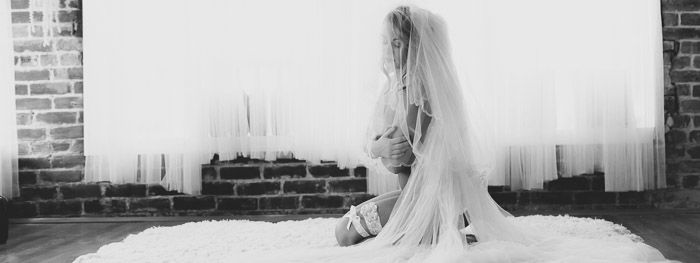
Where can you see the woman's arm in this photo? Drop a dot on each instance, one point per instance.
(385, 146)
(416, 118)
(417, 115)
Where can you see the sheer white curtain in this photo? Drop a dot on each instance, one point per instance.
(171, 82)
(257, 78)
(9, 186)
(582, 75)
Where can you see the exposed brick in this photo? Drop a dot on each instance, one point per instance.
(20, 209)
(59, 176)
(680, 5)
(690, 19)
(352, 185)
(252, 172)
(258, 188)
(19, 31)
(35, 193)
(681, 62)
(60, 73)
(57, 117)
(77, 147)
(558, 198)
(72, 132)
(37, 16)
(668, 45)
(208, 174)
(237, 203)
(678, 33)
(278, 171)
(69, 16)
(43, 148)
(32, 75)
(357, 199)
(23, 149)
(690, 166)
(20, 17)
(31, 134)
(26, 61)
(125, 190)
(689, 47)
(26, 177)
(149, 204)
(48, 60)
(569, 184)
(675, 137)
(69, 103)
(19, 4)
(670, 104)
(67, 161)
(33, 104)
(286, 202)
(75, 73)
(690, 106)
(670, 19)
(157, 189)
(505, 198)
(78, 87)
(80, 191)
(33, 163)
(193, 203)
(21, 89)
(32, 46)
(305, 186)
(37, 31)
(584, 198)
(327, 170)
(360, 171)
(71, 59)
(65, 207)
(322, 201)
(681, 121)
(223, 188)
(50, 88)
(71, 4)
(598, 183)
(105, 206)
(694, 152)
(61, 146)
(68, 30)
(690, 181)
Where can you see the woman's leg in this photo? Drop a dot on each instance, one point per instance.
(384, 205)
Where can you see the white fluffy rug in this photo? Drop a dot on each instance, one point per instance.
(573, 240)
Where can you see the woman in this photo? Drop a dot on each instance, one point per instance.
(424, 139)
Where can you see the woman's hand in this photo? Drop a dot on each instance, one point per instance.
(392, 148)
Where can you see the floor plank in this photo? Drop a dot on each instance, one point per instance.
(675, 233)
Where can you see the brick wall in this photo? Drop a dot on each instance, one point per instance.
(681, 31)
(49, 91)
(49, 102)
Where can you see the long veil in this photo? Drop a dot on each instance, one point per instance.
(451, 164)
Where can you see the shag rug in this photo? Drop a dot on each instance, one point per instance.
(250, 241)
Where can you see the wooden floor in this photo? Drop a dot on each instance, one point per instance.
(675, 233)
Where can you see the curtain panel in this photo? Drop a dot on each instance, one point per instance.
(9, 185)
(562, 87)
